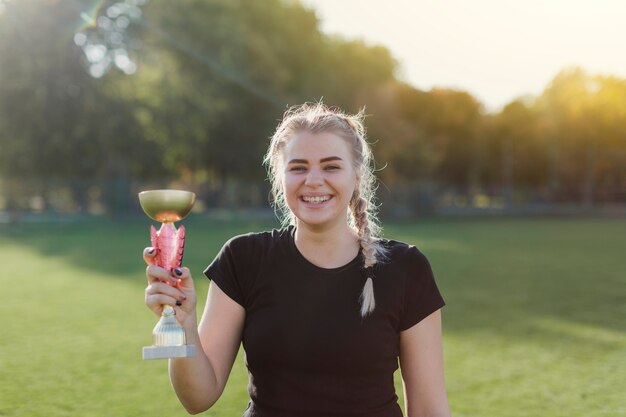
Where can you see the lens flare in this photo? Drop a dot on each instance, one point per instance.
(103, 36)
(88, 18)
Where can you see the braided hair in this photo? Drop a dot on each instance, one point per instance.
(318, 118)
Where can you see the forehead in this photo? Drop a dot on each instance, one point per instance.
(315, 146)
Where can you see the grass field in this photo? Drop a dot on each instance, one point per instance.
(535, 322)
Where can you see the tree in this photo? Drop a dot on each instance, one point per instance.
(56, 121)
(222, 73)
(522, 158)
(587, 119)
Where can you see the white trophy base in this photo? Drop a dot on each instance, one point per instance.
(165, 352)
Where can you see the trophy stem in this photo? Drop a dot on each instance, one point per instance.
(168, 332)
(169, 339)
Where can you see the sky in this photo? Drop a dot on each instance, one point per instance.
(497, 50)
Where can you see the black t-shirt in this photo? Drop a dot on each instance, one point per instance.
(307, 349)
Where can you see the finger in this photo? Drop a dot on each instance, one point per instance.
(156, 273)
(149, 255)
(157, 301)
(161, 288)
(181, 314)
(183, 276)
(184, 280)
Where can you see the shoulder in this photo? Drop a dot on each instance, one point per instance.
(253, 242)
(404, 260)
(400, 252)
(244, 253)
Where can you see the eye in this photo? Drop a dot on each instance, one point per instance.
(297, 168)
(332, 167)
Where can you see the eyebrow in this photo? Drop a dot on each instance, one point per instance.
(327, 159)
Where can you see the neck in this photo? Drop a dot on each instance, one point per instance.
(338, 233)
(329, 246)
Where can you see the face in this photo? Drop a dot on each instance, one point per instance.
(318, 179)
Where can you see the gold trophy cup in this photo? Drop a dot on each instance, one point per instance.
(167, 207)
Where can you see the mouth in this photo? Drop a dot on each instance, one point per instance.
(318, 199)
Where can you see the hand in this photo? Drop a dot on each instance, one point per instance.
(174, 288)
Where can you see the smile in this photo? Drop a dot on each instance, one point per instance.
(316, 199)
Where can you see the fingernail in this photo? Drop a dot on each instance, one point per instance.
(178, 271)
(179, 303)
(150, 251)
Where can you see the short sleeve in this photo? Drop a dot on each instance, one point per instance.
(230, 269)
(421, 295)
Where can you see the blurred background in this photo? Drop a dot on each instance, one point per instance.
(499, 132)
(101, 99)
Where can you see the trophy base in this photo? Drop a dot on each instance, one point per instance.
(166, 352)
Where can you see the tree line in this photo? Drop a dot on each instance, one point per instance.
(96, 98)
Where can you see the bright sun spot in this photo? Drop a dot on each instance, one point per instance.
(495, 50)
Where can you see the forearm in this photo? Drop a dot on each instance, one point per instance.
(421, 409)
(194, 379)
(443, 412)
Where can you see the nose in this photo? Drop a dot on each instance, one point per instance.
(314, 178)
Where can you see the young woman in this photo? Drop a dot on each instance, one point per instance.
(324, 306)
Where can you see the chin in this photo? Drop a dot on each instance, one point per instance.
(321, 221)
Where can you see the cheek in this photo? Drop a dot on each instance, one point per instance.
(289, 185)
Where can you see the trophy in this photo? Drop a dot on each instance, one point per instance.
(168, 206)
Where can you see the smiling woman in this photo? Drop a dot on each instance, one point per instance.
(329, 135)
(301, 298)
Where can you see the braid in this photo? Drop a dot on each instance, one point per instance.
(364, 232)
(370, 249)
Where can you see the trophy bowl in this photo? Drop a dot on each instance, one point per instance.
(167, 206)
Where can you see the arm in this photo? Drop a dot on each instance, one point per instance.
(200, 381)
(421, 364)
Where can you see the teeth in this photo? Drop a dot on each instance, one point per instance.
(316, 199)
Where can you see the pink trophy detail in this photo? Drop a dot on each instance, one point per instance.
(168, 206)
(170, 244)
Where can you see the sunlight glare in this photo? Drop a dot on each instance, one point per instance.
(104, 22)
(122, 22)
(95, 53)
(80, 38)
(496, 50)
(113, 11)
(124, 63)
(98, 70)
(104, 39)
(89, 21)
(88, 17)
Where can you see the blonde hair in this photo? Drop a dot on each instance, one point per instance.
(317, 118)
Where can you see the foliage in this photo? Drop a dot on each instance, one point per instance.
(56, 120)
(117, 90)
(585, 117)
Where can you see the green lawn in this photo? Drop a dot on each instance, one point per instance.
(535, 322)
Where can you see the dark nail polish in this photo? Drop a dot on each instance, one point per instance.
(179, 303)
(178, 271)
